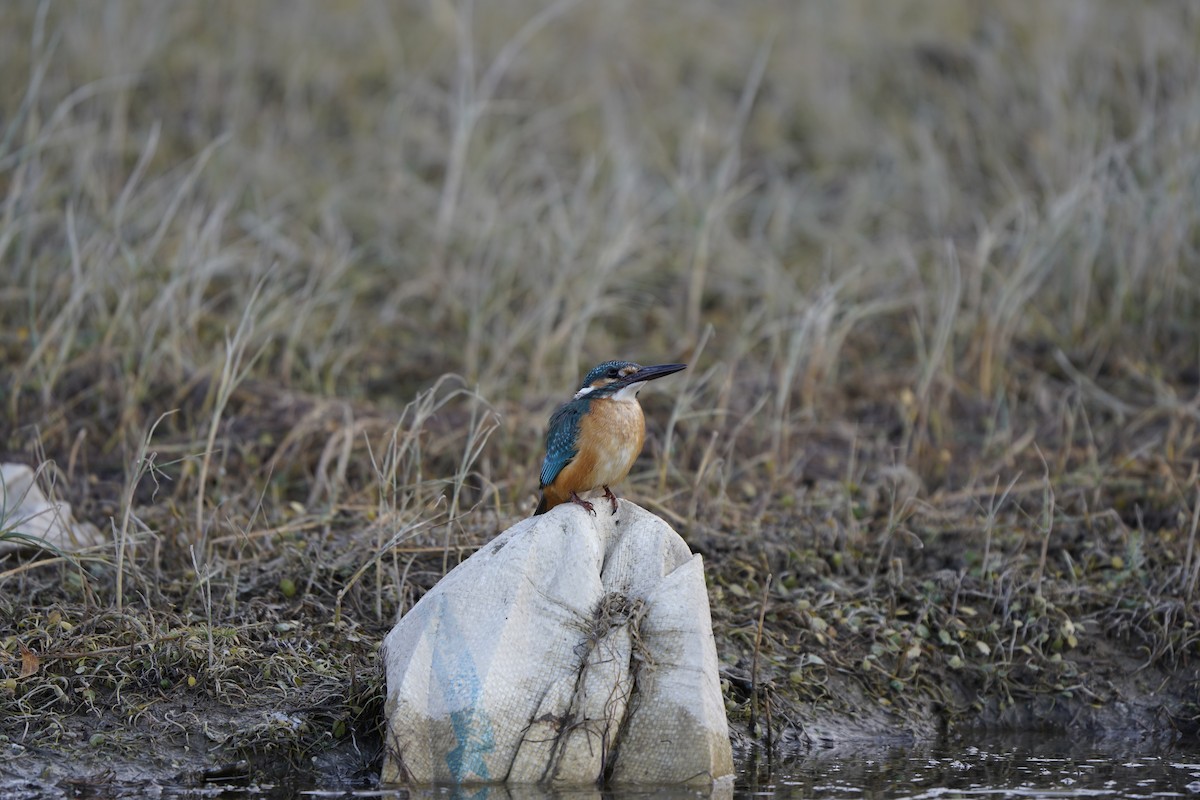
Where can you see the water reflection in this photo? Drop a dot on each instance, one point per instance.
(722, 792)
(1001, 768)
(993, 768)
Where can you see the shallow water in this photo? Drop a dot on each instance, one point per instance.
(1007, 768)
(992, 769)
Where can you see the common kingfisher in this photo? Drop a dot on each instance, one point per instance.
(595, 437)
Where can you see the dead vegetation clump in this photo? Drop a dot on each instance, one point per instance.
(291, 294)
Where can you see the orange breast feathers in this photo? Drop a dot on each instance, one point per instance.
(611, 436)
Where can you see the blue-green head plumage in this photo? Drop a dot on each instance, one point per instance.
(608, 378)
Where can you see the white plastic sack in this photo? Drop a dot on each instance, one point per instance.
(571, 649)
(25, 510)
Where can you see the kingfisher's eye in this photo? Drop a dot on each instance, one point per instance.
(614, 373)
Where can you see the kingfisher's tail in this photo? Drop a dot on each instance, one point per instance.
(543, 506)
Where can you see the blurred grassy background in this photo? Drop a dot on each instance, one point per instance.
(355, 252)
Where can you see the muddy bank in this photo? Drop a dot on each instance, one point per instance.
(205, 744)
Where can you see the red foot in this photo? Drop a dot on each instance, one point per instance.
(577, 499)
(612, 498)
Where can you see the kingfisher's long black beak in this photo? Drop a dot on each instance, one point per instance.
(650, 373)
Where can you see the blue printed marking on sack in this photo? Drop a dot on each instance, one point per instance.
(454, 671)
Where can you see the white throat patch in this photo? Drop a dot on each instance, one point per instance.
(628, 394)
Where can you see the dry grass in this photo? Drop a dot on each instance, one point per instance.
(291, 289)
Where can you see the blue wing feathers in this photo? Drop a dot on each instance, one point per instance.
(561, 439)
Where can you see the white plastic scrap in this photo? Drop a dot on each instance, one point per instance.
(570, 650)
(25, 511)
